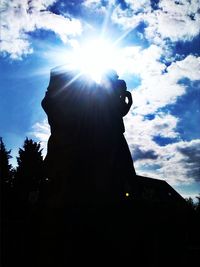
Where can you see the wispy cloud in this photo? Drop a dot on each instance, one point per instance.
(191, 153)
(41, 132)
(184, 14)
(98, 4)
(177, 162)
(160, 21)
(18, 18)
(159, 89)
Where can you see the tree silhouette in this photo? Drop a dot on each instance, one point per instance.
(198, 205)
(190, 203)
(29, 173)
(6, 177)
(5, 167)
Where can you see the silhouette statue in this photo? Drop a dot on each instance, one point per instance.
(84, 212)
(88, 160)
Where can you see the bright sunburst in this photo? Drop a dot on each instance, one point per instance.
(94, 57)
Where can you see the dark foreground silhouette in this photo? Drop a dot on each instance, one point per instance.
(88, 163)
(93, 209)
(88, 160)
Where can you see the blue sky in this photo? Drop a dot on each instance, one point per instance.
(158, 55)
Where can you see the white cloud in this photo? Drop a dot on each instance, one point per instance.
(126, 18)
(176, 20)
(133, 14)
(18, 18)
(90, 3)
(180, 162)
(159, 87)
(142, 62)
(97, 3)
(159, 84)
(184, 14)
(96, 6)
(139, 5)
(177, 163)
(140, 131)
(41, 131)
(188, 67)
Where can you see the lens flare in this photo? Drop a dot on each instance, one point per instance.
(94, 57)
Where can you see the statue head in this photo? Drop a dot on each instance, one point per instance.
(110, 75)
(121, 84)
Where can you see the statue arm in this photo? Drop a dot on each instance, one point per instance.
(126, 106)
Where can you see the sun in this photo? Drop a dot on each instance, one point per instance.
(94, 57)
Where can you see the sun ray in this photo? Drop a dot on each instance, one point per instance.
(122, 37)
(69, 72)
(107, 17)
(74, 79)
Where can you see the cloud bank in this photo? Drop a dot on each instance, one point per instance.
(161, 20)
(21, 17)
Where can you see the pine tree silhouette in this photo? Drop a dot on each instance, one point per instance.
(5, 180)
(29, 172)
(5, 167)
